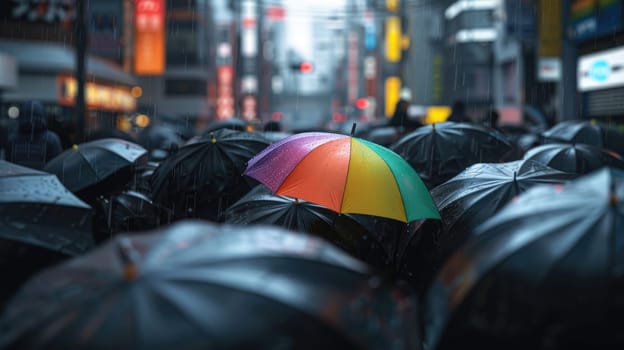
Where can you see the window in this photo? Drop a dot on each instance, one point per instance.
(186, 87)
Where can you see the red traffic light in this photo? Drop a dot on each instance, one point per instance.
(361, 103)
(306, 67)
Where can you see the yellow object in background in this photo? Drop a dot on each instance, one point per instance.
(123, 123)
(392, 5)
(437, 114)
(142, 120)
(393, 39)
(393, 91)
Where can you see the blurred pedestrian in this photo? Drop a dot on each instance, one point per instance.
(458, 113)
(491, 118)
(273, 125)
(56, 124)
(4, 136)
(33, 145)
(400, 117)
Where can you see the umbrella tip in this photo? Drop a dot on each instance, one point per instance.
(129, 257)
(353, 128)
(614, 200)
(296, 200)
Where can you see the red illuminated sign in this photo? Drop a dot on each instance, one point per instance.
(225, 94)
(149, 25)
(275, 13)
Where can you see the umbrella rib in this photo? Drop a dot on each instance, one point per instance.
(230, 287)
(569, 250)
(90, 166)
(344, 190)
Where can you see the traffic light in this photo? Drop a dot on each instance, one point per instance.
(361, 103)
(302, 67)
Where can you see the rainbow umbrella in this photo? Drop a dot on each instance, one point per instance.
(345, 174)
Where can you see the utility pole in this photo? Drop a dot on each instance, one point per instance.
(80, 30)
(568, 99)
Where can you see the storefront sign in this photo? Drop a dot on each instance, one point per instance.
(149, 25)
(594, 18)
(48, 11)
(225, 92)
(97, 96)
(549, 69)
(601, 70)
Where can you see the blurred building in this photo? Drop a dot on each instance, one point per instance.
(526, 65)
(469, 36)
(39, 38)
(181, 88)
(424, 68)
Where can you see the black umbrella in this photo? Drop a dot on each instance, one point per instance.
(382, 135)
(125, 212)
(97, 167)
(231, 123)
(353, 233)
(480, 191)
(41, 223)
(440, 151)
(36, 209)
(586, 132)
(196, 285)
(574, 158)
(108, 133)
(545, 272)
(161, 137)
(202, 179)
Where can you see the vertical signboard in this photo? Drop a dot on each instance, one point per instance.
(352, 68)
(549, 40)
(249, 53)
(225, 93)
(393, 39)
(549, 29)
(149, 26)
(393, 90)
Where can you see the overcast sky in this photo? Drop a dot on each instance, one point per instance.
(299, 17)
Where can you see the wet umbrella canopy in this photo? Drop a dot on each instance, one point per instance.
(195, 285)
(41, 223)
(353, 233)
(545, 270)
(36, 209)
(440, 151)
(345, 174)
(574, 158)
(161, 137)
(383, 135)
(478, 192)
(124, 212)
(203, 178)
(98, 166)
(586, 132)
(231, 124)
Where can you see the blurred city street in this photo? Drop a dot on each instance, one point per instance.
(312, 174)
